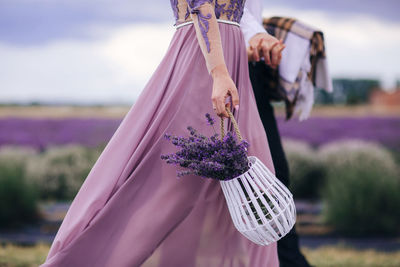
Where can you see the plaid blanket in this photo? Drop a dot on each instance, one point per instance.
(280, 89)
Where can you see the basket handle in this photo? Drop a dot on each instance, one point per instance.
(235, 125)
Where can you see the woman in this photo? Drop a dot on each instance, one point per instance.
(132, 210)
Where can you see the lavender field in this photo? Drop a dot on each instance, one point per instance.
(321, 130)
(41, 133)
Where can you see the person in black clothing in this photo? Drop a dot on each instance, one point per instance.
(266, 47)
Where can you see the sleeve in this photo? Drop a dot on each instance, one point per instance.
(251, 22)
(207, 31)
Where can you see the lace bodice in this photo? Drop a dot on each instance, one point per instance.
(231, 10)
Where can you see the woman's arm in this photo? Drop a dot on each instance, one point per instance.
(208, 35)
(207, 31)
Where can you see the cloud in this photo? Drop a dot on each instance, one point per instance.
(117, 62)
(384, 10)
(357, 45)
(27, 22)
(136, 50)
(115, 68)
(36, 22)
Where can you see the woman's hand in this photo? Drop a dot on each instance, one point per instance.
(223, 87)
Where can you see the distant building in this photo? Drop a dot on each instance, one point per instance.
(383, 98)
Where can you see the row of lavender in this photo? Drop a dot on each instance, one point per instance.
(41, 133)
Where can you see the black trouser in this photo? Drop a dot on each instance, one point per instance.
(288, 247)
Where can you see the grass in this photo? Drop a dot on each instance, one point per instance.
(329, 256)
(338, 256)
(21, 256)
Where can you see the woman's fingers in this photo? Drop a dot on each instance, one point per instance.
(235, 97)
(219, 104)
(227, 106)
(223, 112)
(223, 87)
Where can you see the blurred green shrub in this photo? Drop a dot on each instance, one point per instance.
(18, 198)
(358, 181)
(59, 172)
(307, 173)
(16, 154)
(362, 191)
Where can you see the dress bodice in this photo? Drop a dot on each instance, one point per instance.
(231, 10)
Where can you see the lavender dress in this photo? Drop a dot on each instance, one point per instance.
(132, 210)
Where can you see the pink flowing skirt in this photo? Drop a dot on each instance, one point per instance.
(132, 210)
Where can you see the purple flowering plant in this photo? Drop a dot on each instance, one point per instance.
(209, 157)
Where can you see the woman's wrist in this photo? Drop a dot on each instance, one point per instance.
(219, 71)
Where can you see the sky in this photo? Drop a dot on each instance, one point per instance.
(87, 51)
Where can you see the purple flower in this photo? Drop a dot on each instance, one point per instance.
(209, 157)
(210, 119)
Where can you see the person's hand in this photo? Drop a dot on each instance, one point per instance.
(267, 46)
(223, 86)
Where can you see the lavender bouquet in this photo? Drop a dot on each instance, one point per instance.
(209, 157)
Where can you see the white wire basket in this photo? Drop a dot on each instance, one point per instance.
(261, 206)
